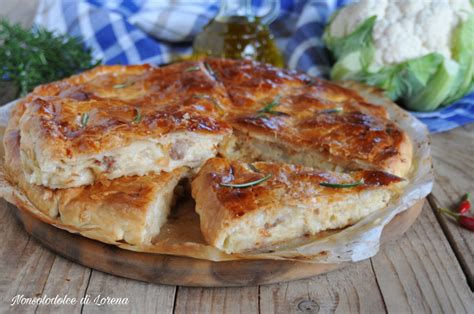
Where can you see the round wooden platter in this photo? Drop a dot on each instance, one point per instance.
(184, 271)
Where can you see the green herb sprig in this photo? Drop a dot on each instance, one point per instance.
(123, 85)
(342, 185)
(210, 70)
(334, 110)
(138, 116)
(252, 167)
(268, 109)
(247, 184)
(310, 82)
(32, 57)
(84, 119)
(193, 68)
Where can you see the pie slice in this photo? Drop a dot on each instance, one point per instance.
(129, 209)
(119, 121)
(279, 115)
(244, 207)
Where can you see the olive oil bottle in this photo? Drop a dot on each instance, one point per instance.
(236, 32)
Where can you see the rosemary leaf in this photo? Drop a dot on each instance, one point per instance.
(269, 107)
(119, 86)
(193, 68)
(247, 184)
(334, 110)
(138, 116)
(342, 185)
(201, 96)
(84, 119)
(210, 70)
(310, 82)
(252, 167)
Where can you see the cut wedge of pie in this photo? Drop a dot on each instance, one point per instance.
(247, 206)
(129, 209)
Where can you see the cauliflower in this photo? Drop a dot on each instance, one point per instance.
(420, 52)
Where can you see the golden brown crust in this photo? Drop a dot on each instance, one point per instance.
(298, 184)
(206, 97)
(112, 97)
(313, 114)
(110, 211)
(97, 111)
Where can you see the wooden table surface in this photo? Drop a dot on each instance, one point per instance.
(429, 269)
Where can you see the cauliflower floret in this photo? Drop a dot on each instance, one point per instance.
(405, 29)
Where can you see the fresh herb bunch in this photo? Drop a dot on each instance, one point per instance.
(32, 57)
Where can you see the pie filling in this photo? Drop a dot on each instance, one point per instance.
(139, 158)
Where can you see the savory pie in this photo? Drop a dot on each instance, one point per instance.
(105, 150)
(247, 206)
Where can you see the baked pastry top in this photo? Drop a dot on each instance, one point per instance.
(283, 116)
(246, 206)
(117, 121)
(98, 123)
(125, 102)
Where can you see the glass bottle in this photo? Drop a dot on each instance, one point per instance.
(236, 32)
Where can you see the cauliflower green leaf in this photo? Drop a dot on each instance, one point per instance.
(437, 89)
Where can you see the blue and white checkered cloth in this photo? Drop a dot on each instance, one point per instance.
(133, 31)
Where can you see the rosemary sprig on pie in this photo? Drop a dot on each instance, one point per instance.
(123, 85)
(84, 119)
(138, 116)
(333, 110)
(247, 184)
(268, 109)
(342, 185)
(252, 167)
(210, 70)
(193, 68)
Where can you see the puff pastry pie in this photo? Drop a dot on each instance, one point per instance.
(104, 151)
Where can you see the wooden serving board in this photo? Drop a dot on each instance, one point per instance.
(184, 271)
